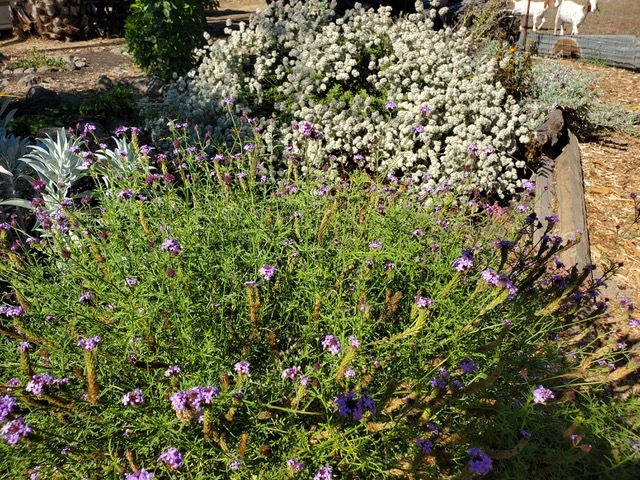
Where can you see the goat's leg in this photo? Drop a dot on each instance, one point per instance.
(574, 30)
(541, 23)
(555, 25)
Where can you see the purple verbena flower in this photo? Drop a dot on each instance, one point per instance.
(423, 302)
(324, 473)
(172, 458)
(89, 344)
(133, 398)
(242, 367)
(391, 105)
(7, 404)
(172, 245)
(13, 430)
(291, 372)
(542, 394)
(235, 464)
(295, 464)
(267, 272)
(468, 366)
(375, 244)
(353, 341)
(141, 474)
(131, 281)
(85, 297)
(332, 344)
(463, 263)
(425, 445)
(172, 370)
(480, 463)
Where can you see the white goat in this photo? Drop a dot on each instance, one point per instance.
(536, 8)
(573, 12)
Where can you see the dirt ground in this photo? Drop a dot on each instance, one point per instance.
(611, 164)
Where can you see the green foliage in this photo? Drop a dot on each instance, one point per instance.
(36, 60)
(162, 35)
(448, 312)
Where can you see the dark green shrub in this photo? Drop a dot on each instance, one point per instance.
(161, 36)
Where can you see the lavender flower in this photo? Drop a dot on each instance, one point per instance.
(463, 263)
(353, 342)
(131, 281)
(41, 380)
(193, 398)
(423, 302)
(23, 347)
(425, 445)
(13, 430)
(480, 463)
(552, 219)
(172, 370)
(89, 344)
(267, 272)
(295, 464)
(242, 367)
(125, 194)
(235, 464)
(291, 372)
(375, 245)
(391, 105)
(133, 398)
(172, 458)
(172, 245)
(542, 394)
(332, 344)
(141, 474)
(350, 406)
(468, 366)
(324, 473)
(7, 404)
(85, 297)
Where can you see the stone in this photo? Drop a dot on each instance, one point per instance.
(41, 94)
(18, 71)
(105, 83)
(43, 69)
(7, 72)
(29, 80)
(29, 70)
(81, 63)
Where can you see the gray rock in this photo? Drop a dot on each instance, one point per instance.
(80, 63)
(29, 70)
(151, 86)
(7, 72)
(18, 71)
(29, 80)
(43, 70)
(41, 94)
(105, 83)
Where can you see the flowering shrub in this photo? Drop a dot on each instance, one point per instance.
(297, 328)
(381, 94)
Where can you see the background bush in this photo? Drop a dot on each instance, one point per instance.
(162, 35)
(387, 95)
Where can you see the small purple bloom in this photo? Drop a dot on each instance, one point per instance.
(375, 244)
(7, 404)
(133, 398)
(528, 185)
(172, 245)
(23, 347)
(324, 473)
(423, 302)
(291, 372)
(332, 344)
(141, 474)
(418, 129)
(172, 458)
(542, 394)
(418, 232)
(85, 297)
(131, 281)
(242, 367)
(480, 463)
(552, 219)
(89, 344)
(172, 370)
(295, 464)
(13, 430)
(267, 272)
(468, 366)
(391, 105)
(125, 194)
(425, 110)
(353, 341)
(235, 464)
(425, 445)
(463, 263)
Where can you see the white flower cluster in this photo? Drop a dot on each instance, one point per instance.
(389, 95)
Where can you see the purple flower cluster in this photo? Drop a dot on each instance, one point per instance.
(7, 404)
(491, 277)
(13, 430)
(85, 297)
(89, 344)
(295, 464)
(172, 245)
(324, 473)
(12, 312)
(480, 463)
(242, 367)
(267, 272)
(307, 129)
(542, 394)
(295, 372)
(194, 398)
(172, 458)
(464, 262)
(41, 380)
(172, 370)
(332, 344)
(425, 445)
(133, 398)
(468, 366)
(351, 406)
(423, 302)
(141, 474)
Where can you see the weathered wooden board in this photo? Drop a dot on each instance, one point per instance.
(617, 50)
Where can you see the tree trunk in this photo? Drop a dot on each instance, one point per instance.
(56, 19)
